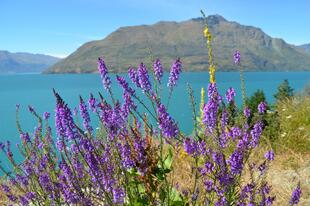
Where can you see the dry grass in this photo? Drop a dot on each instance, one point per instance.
(284, 174)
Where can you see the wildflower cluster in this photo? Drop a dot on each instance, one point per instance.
(129, 158)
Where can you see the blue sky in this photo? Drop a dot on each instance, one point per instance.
(59, 27)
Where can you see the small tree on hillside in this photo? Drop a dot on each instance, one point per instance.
(284, 91)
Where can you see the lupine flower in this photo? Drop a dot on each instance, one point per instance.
(165, 122)
(190, 146)
(118, 195)
(175, 71)
(237, 57)
(158, 70)
(128, 105)
(269, 155)
(92, 103)
(247, 112)
(262, 107)
(133, 75)
(296, 195)
(46, 115)
(230, 94)
(236, 162)
(210, 110)
(104, 73)
(256, 132)
(124, 85)
(85, 115)
(143, 77)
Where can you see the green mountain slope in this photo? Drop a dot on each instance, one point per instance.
(168, 40)
(24, 62)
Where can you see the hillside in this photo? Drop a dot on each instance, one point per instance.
(24, 62)
(306, 47)
(167, 40)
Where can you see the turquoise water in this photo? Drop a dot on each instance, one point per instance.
(36, 90)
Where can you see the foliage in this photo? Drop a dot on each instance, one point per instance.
(253, 101)
(284, 91)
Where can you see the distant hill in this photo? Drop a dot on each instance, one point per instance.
(306, 47)
(24, 62)
(168, 40)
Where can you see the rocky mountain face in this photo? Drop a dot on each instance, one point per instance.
(168, 40)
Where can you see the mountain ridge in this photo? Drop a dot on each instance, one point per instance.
(24, 62)
(305, 47)
(128, 46)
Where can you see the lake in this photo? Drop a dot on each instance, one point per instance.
(36, 90)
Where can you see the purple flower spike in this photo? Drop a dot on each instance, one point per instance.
(269, 155)
(46, 115)
(133, 75)
(262, 107)
(158, 70)
(175, 71)
(237, 57)
(104, 73)
(247, 112)
(166, 124)
(124, 85)
(230, 94)
(92, 103)
(143, 77)
(85, 115)
(296, 196)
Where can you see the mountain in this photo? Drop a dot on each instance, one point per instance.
(167, 40)
(24, 62)
(306, 47)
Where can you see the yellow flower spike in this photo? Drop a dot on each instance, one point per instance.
(212, 73)
(208, 36)
(206, 32)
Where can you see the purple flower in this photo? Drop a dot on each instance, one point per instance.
(118, 195)
(210, 110)
(65, 126)
(92, 103)
(190, 146)
(46, 115)
(104, 73)
(143, 77)
(296, 195)
(269, 155)
(124, 85)
(262, 107)
(208, 185)
(85, 115)
(133, 75)
(230, 94)
(158, 70)
(256, 132)
(236, 162)
(25, 137)
(237, 57)
(247, 112)
(128, 105)
(175, 71)
(165, 122)
(235, 132)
